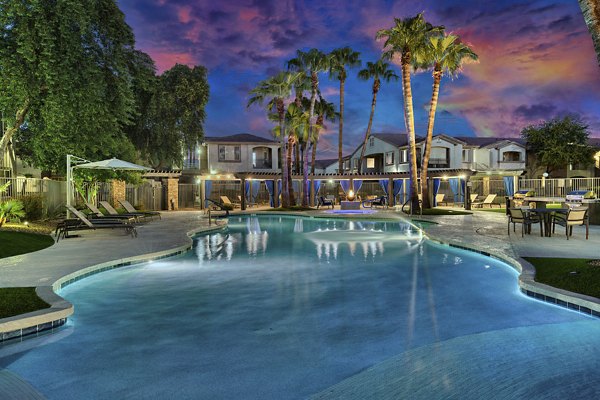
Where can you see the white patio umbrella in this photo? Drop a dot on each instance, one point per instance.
(112, 164)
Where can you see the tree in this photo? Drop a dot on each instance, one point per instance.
(65, 84)
(407, 38)
(591, 14)
(559, 142)
(325, 111)
(339, 60)
(446, 55)
(177, 114)
(276, 90)
(311, 63)
(377, 71)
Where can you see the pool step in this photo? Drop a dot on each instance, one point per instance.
(12, 387)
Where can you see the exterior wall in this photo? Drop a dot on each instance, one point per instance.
(490, 159)
(245, 163)
(454, 152)
(379, 147)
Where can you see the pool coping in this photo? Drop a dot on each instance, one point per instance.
(581, 303)
(56, 315)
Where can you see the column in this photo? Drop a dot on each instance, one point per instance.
(117, 192)
(173, 194)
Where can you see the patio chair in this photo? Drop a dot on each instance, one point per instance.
(131, 210)
(322, 201)
(574, 217)
(489, 200)
(380, 201)
(518, 216)
(473, 197)
(97, 214)
(439, 199)
(225, 200)
(82, 223)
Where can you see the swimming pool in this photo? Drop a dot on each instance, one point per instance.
(288, 307)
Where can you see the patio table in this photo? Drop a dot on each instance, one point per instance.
(546, 215)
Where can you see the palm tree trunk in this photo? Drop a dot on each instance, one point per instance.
(311, 113)
(409, 120)
(284, 167)
(437, 77)
(290, 187)
(297, 158)
(368, 133)
(341, 125)
(305, 186)
(591, 14)
(314, 157)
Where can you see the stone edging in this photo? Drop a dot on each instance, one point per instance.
(56, 316)
(573, 301)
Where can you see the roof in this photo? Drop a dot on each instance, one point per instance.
(238, 138)
(594, 142)
(488, 141)
(325, 163)
(396, 139)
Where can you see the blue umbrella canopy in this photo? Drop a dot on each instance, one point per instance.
(114, 164)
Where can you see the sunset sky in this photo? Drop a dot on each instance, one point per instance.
(537, 60)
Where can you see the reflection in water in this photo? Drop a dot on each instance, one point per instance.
(328, 237)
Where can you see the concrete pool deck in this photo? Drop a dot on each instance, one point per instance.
(67, 259)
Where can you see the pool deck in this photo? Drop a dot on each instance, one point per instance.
(93, 251)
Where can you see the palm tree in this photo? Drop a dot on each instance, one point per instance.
(377, 71)
(340, 58)
(303, 83)
(276, 89)
(591, 14)
(312, 63)
(446, 54)
(324, 110)
(407, 38)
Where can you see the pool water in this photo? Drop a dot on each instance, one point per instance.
(291, 308)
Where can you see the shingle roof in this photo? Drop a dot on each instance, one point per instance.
(325, 163)
(595, 142)
(397, 139)
(238, 138)
(486, 141)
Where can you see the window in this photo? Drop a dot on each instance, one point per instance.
(466, 155)
(403, 159)
(371, 141)
(228, 153)
(440, 156)
(511, 156)
(370, 162)
(389, 158)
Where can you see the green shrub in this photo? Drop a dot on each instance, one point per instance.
(33, 205)
(11, 210)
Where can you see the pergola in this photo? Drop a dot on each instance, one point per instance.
(389, 176)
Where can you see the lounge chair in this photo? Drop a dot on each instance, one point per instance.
(131, 210)
(489, 200)
(473, 197)
(322, 201)
(574, 217)
(225, 200)
(114, 213)
(517, 216)
(439, 199)
(97, 214)
(82, 223)
(380, 201)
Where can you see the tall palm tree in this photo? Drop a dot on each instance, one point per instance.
(407, 38)
(276, 89)
(446, 54)
(591, 14)
(377, 71)
(312, 63)
(325, 111)
(303, 83)
(340, 59)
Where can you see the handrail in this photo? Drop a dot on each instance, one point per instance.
(410, 209)
(220, 208)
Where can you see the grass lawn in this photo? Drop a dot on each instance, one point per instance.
(557, 272)
(15, 301)
(15, 243)
(495, 209)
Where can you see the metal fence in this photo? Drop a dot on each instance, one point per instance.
(559, 187)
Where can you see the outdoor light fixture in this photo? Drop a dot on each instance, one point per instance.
(445, 177)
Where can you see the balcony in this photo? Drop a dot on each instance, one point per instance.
(439, 163)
